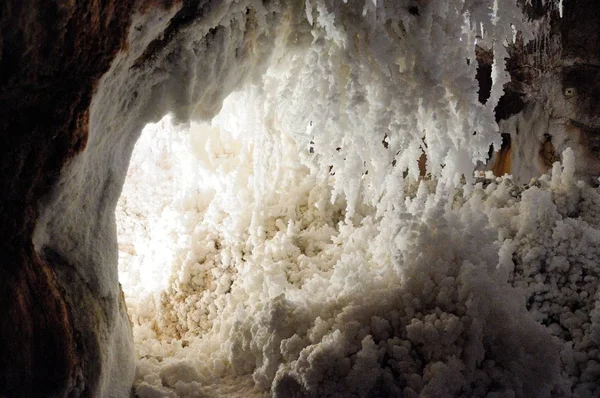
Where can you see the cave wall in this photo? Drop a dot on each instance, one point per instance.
(552, 100)
(52, 55)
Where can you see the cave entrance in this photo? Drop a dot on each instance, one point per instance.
(213, 221)
(185, 183)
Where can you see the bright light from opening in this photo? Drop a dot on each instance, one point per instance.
(175, 172)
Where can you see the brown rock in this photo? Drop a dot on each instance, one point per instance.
(52, 55)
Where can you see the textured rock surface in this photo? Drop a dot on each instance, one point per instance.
(51, 57)
(554, 91)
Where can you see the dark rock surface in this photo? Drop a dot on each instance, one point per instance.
(565, 51)
(52, 54)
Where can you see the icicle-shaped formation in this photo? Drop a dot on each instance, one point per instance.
(389, 81)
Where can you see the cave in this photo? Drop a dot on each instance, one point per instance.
(300, 198)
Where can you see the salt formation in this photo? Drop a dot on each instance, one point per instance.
(273, 237)
(460, 294)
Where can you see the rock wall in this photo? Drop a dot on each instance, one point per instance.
(52, 55)
(552, 100)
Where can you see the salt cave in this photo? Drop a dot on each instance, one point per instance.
(297, 198)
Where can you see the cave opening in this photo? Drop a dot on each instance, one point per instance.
(216, 219)
(185, 211)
